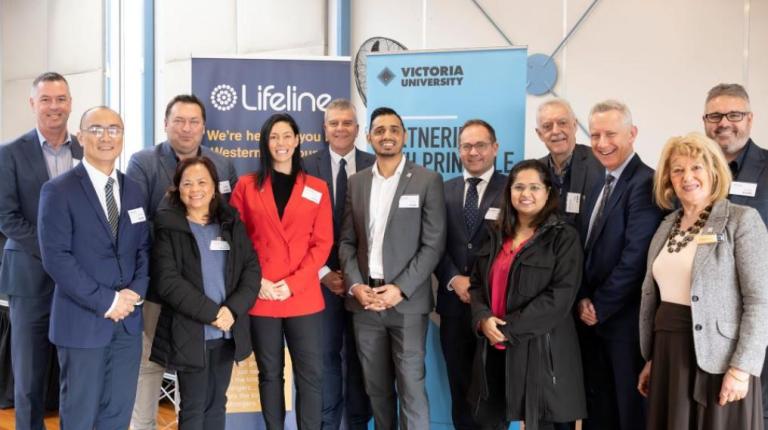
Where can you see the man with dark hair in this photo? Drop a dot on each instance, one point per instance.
(153, 170)
(25, 164)
(728, 121)
(392, 239)
(335, 164)
(469, 200)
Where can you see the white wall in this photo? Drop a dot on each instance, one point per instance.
(658, 56)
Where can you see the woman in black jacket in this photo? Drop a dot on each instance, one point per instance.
(207, 274)
(527, 365)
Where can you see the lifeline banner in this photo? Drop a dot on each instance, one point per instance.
(240, 94)
(437, 91)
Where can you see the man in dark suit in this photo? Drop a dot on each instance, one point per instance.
(469, 199)
(617, 233)
(94, 242)
(575, 170)
(391, 241)
(728, 121)
(153, 169)
(25, 164)
(335, 164)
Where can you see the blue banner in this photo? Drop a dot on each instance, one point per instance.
(240, 94)
(437, 91)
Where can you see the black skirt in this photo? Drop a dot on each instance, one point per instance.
(682, 396)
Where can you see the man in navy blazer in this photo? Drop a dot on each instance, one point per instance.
(94, 241)
(469, 200)
(25, 164)
(623, 219)
(728, 121)
(341, 129)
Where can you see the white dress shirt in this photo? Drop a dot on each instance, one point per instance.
(616, 175)
(351, 169)
(382, 192)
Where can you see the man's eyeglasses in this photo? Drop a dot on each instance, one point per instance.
(732, 116)
(479, 147)
(98, 131)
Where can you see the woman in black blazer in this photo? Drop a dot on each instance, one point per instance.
(207, 274)
(527, 364)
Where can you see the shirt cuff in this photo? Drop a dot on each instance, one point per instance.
(350, 293)
(449, 287)
(114, 305)
(323, 271)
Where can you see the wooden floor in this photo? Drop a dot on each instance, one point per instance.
(166, 419)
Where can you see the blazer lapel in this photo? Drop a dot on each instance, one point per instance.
(753, 165)
(93, 199)
(714, 225)
(268, 201)
(455, 203)
(621, 186)
(76, 148)
(167, 161)
(578, 170)
(405, 178)
(366, 190)
(34, 154)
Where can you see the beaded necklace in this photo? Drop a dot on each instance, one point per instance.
(687, 235)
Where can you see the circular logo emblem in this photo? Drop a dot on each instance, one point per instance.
(223, 97)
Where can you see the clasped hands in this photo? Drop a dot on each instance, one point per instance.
(379, 298)
(126, 303)
(586, 312)
(278, 291)
(224, 319)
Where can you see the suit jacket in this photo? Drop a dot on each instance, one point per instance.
(729, 301)
(22, 173)
(319, 165)
(414, 238)
(585, 172)
(153, 169)
(87, 265)
(754, 169)
(293, 247)
(615, 259)
(461, 245)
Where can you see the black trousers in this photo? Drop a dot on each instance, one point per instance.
(458, 342)
(304, 335)
(204, 392)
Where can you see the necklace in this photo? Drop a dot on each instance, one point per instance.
(686, 236)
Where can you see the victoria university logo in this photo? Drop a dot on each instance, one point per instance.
(223, 97)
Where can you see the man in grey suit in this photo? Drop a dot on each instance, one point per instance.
(575, 170)
(391, 241)
(153, 169)
(728, 121)
(25, 164)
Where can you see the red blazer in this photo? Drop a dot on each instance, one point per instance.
(294, 248)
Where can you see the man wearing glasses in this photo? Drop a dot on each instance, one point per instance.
(94, 243)
(728, 121)
(25, 164)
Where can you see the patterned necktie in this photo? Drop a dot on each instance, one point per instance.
(471, 207)
(112, 214)
(601, 208)
(341, 189)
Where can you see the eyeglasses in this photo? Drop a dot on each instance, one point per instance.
(534, 188)
(732, 116)
(98, 131)
(479, 147)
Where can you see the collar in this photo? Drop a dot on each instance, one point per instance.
(618, 171)
(98, 178)
(485, 177)
(42, 140)
(336, 158)
(398, 170)
(176, 157)
(566, 165)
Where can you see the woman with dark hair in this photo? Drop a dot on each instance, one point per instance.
(288, 217)
(527, 364)
(207, 275)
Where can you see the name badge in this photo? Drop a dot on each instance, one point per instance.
(137, 215)
(311, 194)
(492, 214)
(747, 189)
(572, 203)
(409, 201)
(219, 245)
(704, 239)
(225, 187)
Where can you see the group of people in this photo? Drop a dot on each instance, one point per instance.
(583, 285)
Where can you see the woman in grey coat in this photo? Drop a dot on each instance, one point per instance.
(704, 298)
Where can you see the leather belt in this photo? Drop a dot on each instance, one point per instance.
(373, 283)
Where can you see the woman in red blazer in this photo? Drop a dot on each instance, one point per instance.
(287, 214)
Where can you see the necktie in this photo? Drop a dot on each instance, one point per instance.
(606, 195)
(112, 215)
(471, 208)
(734, 169)
(341, 189)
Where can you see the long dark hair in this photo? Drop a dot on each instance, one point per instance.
(174, 197)
(508, 215)
(265, 161)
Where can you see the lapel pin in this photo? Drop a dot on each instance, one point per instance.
(408, 175)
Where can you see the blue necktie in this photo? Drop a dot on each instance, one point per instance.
(471, 206)
(112, 215)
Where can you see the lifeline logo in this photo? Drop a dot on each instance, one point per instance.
(224, 97)
(432, 76)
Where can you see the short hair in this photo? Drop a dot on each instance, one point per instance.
(91, 109)
(380, 111)
(184, 98)
(554, 102)
(481, 123)
(609, 105)
(730, 90)
(174, 195)
(340, 104)
(697, 146)
(507, 216)
(48, 77)
(265, 160)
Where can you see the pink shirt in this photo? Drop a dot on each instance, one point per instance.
(499, 276)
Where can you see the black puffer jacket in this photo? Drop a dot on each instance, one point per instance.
(177, 278)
